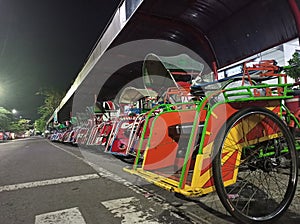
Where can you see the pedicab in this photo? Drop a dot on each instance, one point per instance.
(58, 133)
(53, 135)
(171, 78)
(97, 121)
(134, 104)
(68, 133)
(233, 137)
(97, 115)
(106, 117)
(84, 132)
(73, 136)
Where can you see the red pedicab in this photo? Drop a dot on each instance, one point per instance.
(233, 139)
(135, 103)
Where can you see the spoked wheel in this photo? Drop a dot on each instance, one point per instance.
(255, 166)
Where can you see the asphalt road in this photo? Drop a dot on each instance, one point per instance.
(43, 182)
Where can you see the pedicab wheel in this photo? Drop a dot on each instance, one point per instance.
(255, 166)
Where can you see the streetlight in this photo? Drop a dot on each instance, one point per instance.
(15, 113)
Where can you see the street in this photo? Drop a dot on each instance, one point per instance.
(43, 182)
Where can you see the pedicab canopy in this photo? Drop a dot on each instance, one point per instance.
(161, 72)
(221, 32)
(132, 95)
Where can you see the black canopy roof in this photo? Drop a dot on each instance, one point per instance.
(221, 31)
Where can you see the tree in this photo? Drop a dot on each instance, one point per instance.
(52, 99)
(39, 125)
(5, 118)
(293, 69)
(8, 123)
(20, 125)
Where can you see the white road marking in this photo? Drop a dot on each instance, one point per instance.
(67, 216)
(103, 173)
(20, 186)
(107, 174)
(126, 209)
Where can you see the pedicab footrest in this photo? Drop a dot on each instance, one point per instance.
(163, 182)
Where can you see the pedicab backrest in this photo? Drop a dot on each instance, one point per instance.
(168, 143)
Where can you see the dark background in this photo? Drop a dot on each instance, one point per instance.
(44, 44)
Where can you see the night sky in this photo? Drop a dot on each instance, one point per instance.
(45, 44)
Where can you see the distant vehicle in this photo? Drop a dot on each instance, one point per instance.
(7, 135)
(1, 136)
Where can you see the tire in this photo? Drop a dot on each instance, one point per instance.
(265, 184)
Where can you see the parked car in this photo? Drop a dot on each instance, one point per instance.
(3, 136)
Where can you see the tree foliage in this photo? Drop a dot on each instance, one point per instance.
(20, 125)
(293, 70)
(40, 124)
(5, 118)
(9, 123)
(52, 99)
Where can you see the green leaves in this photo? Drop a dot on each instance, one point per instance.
(20, 125)
(9, 123)
(293, 70)
(40, 124)
(52, 99)
(5, 118)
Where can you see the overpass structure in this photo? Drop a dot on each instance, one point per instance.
(218, 32)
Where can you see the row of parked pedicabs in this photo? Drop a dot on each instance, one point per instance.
(116, 126)
(191, 134)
